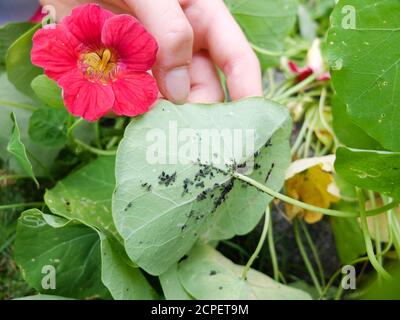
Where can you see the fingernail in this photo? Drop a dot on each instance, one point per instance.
(177, 84)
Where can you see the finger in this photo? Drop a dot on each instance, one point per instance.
(205, 83)
(167, 22)
(227, 45)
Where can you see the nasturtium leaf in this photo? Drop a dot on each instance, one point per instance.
(364, 56)
(171, 285)
(67, 250)
(85, 195)
(207, 274)
(373, 170)
(8, 34)
(48, 91)
(20, 70)
(124, 281)
(17, 149)
(266, 23)
(173, 172)
(12, 100)
(347, 131)
(48, 127)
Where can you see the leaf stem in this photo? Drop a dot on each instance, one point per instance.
(306, 206)
(301, 85)
(259, 245)
(272, 252)
(367, 238)
(305, 257)
(314, 252)
(94, 150)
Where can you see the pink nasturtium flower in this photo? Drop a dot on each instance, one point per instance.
(100, 60)
(315, 65)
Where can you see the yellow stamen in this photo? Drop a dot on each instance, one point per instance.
(99, 64)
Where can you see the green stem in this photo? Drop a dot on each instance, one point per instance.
(72, 127)
(21, 205)
(266, 52)
(94, 150)
(272, 252)
(367, 238)
(306, 206)
(309, 135)
(259, 245)
(305, 257)
(314, 252)
(300, 136)
(300, 86)
(22, 106)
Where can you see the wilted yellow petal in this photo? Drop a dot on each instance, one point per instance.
(312, 187)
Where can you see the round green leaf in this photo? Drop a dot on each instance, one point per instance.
(207, 274)
(72, 249)
(161, 207)
(364, 54)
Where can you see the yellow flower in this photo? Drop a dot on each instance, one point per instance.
(314, 186)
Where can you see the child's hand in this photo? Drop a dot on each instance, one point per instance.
(193, 36)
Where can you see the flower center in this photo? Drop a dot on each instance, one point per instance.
(99, 65)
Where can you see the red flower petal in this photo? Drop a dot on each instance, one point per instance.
(86, 23)
(84, 98)
(134, 94)
(55, 50)
(136, 47)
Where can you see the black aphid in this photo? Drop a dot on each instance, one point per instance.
(200, 184)
(213, 273)
(166, 179)
(270, 171)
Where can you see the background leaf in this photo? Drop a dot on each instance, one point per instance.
(17, 149)
(372, 170)
(48, 91)
(20, 70)
(8, 34)
(48, 127)
(365, 66)
(71, 248)
(207, 274)
(266, 23)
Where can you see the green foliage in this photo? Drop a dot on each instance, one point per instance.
(207, 274)
(365, 62)
(8, 34)
(72, 249)
(48, 127)
(17, 149)
(20, 70)
(48, 91)
(266, 23)
(371, 170)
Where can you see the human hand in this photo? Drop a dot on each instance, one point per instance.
(194, 36)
